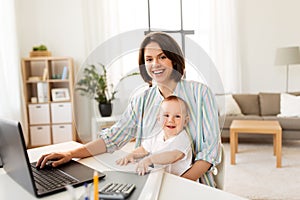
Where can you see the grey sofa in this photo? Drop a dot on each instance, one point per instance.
(261, 106)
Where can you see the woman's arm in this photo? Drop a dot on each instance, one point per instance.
(197, 170)
(207, 140)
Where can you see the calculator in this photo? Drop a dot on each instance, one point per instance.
(116, 191)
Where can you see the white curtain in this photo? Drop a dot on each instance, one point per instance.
(224, 43)
(10, 73)
(100, 22)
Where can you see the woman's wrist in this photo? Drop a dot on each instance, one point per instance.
(78, 153)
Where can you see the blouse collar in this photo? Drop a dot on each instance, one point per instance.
(175, 92)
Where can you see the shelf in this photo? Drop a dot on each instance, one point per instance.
(58, 80)
(46, 120)
(44, 58)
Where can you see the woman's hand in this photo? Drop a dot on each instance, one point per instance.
(125, 160)
(57, 158)
(143, 165)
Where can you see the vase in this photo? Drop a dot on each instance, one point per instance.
(105, 109)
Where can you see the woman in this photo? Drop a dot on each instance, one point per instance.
(162, 65)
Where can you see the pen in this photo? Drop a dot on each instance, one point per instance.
(96, 195)
(86, 197)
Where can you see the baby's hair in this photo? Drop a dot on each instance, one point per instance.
(176, 98)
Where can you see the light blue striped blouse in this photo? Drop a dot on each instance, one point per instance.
(139, 121)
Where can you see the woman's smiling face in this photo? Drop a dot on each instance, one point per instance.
(158, 66)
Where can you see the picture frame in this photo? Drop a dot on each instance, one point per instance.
(60, 94)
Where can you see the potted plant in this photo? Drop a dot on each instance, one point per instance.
(95, 86)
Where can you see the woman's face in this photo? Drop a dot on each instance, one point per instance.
(158, 66)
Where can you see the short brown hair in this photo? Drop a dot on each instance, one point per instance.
(170, 48)
(178, 99)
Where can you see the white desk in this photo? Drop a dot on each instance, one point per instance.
(173, 187)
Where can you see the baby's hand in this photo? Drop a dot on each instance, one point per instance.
(142, 166)
(125, 160)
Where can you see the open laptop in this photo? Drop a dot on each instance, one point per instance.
(16, 164)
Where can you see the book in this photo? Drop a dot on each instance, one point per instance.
(45, 74)
(64, 74)
(42, 92)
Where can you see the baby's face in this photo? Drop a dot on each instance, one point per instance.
(173, 117)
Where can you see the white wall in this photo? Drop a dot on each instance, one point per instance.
(265, 25)
(56, 23)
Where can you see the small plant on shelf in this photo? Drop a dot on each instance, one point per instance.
(42, 47)
(40, 51)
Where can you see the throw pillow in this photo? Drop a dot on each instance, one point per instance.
(289, 105)
(227, 105)
(269, 104)
(248, 103)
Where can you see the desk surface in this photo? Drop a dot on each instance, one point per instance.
(173, 187)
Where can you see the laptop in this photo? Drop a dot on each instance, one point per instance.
(16, 164)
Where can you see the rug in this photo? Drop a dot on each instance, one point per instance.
(255, 175)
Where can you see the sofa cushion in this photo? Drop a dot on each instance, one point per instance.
(289, 105)
(295, 93)
(227, 105)
(286, 123)
(269, 103)
(248, 103)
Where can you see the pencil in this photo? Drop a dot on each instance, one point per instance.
(96, 195)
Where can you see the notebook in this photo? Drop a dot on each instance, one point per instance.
(16, 164)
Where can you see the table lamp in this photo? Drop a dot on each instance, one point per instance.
(287, 56)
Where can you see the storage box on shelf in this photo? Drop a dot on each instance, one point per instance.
(48, 92)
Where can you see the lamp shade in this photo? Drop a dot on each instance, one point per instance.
(287, 55)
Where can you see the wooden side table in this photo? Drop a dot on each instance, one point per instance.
(256, 127)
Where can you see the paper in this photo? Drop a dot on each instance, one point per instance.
(109, 160)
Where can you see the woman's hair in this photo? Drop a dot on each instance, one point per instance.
(170, 48)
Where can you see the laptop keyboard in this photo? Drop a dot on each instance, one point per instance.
(50, 178)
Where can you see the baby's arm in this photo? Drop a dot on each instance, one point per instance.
(139, 152)
(163, 158)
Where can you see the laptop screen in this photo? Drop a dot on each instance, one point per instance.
(1, 164)
(14, 155)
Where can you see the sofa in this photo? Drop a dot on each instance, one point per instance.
(262, 106)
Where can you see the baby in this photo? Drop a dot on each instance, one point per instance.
(171, 147)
